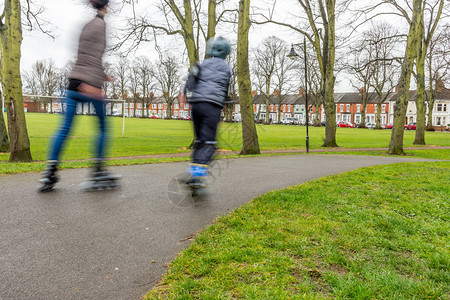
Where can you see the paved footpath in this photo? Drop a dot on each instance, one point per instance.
(115, 244)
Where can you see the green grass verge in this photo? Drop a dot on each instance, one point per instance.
(375, 233)
(443, 154)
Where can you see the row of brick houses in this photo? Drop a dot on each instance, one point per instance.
(348, 108)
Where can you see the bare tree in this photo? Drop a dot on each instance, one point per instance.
(360, 67)
(321, 33)
(48, 79)
(133, 85)
(167, 74)
(4, 141)
(284, 76)
(144, 66)
(438, 63)
(266, 64)
(412, 44)
(259, 83)
(121, 78)
(10, 44)
(183, 18)
(250, 144)
(432, 11)
(381, 41)
(31, 86)
(232, 92)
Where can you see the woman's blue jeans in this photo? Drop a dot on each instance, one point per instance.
(71, 100)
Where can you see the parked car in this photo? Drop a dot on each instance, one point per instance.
(411, 126)
(387, 126)
(288, 121)
(155, 117)
(371, 125)
(345, 124)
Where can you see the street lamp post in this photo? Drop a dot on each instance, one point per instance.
(293, 55)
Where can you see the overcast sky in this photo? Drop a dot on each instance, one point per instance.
(68, 16)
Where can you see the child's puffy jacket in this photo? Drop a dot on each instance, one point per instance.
(208, 82)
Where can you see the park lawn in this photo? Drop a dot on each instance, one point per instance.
(150, 136)
(375, 233)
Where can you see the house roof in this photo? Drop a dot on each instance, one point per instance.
(350, 98)
(443, 94)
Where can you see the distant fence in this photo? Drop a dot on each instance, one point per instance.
(54, 104)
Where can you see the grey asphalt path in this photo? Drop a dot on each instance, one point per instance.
(69, 244)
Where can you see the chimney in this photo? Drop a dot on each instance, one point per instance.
(440, 86)
(276, 93)
(361, 90)
(254, 93)
(396, 89)
(301, 92)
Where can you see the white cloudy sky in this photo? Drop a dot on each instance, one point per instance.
(68, 16)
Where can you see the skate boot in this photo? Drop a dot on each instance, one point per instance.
(198, 179)
(49, 178)
(100, 179)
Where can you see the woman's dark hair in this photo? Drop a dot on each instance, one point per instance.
(99, 4)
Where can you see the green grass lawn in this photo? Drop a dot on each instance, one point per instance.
(146, 136)
(375, 233)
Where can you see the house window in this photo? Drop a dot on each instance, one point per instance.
(358, 108)
(139, 105)
(439, 107)
(289, 108)
(284, 107)
(341, 107)
(357, 119)
(444, 107)
(438, 121)
(176, 106)
(383, 108)
(154, 105)
(348, 107)
(263, 107)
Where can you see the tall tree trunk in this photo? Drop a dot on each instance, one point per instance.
(4, 142)
(401, 104)
(250, 144)
(363, 111)
(328, 80)
(266, 119)
(380, 102)
(189, 38)
(420, 103)
(11, 40)
(420, 79)
(431, 96)
(212, 21)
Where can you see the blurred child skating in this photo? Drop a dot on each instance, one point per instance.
(85, 85)
(206, 91)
